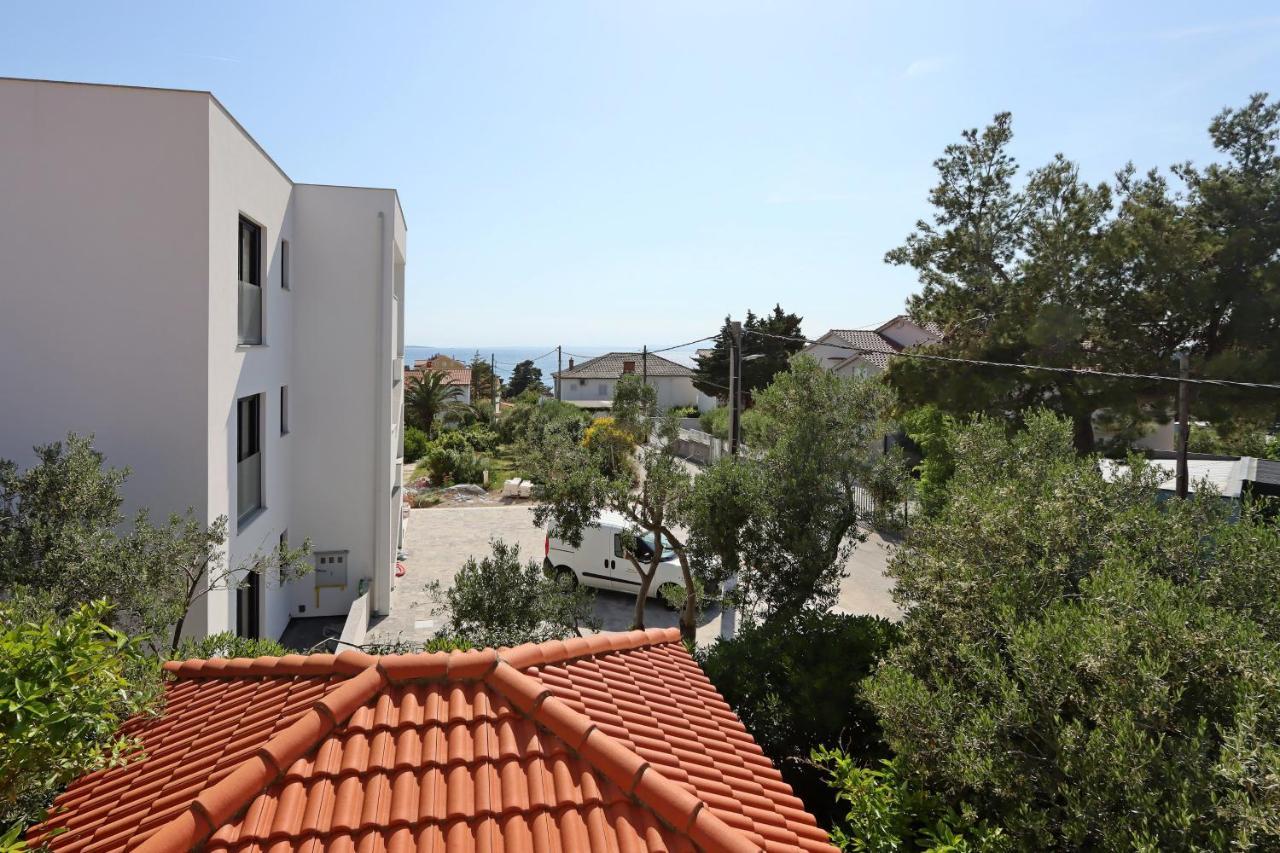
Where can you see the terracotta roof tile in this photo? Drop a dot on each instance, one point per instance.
(611, 742)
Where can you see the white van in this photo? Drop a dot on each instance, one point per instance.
(599, 560)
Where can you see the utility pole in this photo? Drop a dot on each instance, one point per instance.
(493, 375)
(644, 365)
(735, 386)
(558, 371)
(1184, 420)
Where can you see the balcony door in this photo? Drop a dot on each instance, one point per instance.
(250, 273)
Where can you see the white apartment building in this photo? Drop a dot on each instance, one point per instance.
(231, 336)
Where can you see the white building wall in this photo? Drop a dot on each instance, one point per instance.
(103, 277)
(119, 211)
(244, 181)
(345, 418)
(829, 352)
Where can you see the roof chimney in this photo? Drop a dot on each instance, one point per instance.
(628, 367)
(571, 364)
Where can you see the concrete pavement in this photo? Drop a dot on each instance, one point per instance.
(439, 540)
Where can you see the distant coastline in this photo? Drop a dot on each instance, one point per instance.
(508, 357)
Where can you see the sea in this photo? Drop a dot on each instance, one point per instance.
(544, 357)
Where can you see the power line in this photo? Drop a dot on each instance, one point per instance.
(685, 344)
(1075, 371)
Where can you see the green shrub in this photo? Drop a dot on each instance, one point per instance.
(497, 601)
(716, 422)
(228, 645)
(66, 685)
(683, 411)
(468, 467)
(439, 464)
(884, 812)
(1086, 666)
(480, 439)
(415, 443)
(795, 686)
(452, 439)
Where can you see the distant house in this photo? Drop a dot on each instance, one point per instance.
(591, 384)
(866, 352)
(455, 373)
(1232, 477)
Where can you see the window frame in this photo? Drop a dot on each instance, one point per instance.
(255, 434)
(285, 284)
(284, 409)
(253, 256)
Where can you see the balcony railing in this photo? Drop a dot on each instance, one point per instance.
(248, 485)
(250, 313)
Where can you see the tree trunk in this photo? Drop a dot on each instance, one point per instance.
(642, 594)
(688, 616)
(1082, 433)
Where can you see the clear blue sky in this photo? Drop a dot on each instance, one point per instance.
(626, 173)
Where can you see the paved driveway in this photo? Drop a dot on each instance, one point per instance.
(439, 540)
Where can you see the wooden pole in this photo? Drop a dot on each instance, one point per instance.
(735, 386)
(1184, 421)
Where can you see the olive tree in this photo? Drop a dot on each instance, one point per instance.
(639, 478)
(1084, 665)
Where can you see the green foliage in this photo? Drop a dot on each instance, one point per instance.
(580, 481)
(885, 812)
(227, 645)
(1246, 441)
(614, 444)
(795, 684)
(483, 378)
(415, 443)
(401, 646)
(524, 377)
(683, 411)
(931, 430)
(63, 540)
(634, 407)
(531, 411)
(499, 602)
(711, 373)
(429, 398)
(820, 438)
(1059, 272)
(1087, 667)
(447, 467)
(66, 684)
(716, 422)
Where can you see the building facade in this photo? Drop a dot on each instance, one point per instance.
(591, 384)
(231, 336)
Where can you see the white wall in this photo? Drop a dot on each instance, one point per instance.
(345, 402)
(242, 180)
(671, 391)
(103, 276)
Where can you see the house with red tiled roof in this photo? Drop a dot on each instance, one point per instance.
(866, 352)
(452, 371)
(614, 742)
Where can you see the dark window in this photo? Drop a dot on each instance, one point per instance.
(284, 409)
(628, 367)
(250, 285)
(248, 440)
(250, 252)
(248, 598)
(284, 264)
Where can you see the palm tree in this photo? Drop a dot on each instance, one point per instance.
(427, 397)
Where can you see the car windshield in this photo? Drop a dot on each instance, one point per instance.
(644, 549)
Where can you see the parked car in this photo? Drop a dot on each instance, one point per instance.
(599, 561)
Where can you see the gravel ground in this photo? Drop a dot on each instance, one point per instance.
(439, 540)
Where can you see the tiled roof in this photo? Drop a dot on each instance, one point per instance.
(609, 366)
(875, 347)
(452, 376)
(613, 742)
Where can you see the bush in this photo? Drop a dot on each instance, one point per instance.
(884, 812)
(716, 422)
(1087, 667)
(468, 467)
(415, 443)
(66, 685)
(445, 466)
(683, 412)
(499, 602)
(228, 645)
(795, 687)
(439, 464)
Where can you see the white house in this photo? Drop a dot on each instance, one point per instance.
(866, 352)
(230, 335)
(591, 384)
